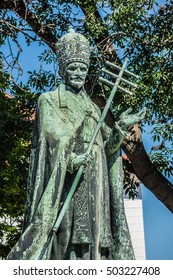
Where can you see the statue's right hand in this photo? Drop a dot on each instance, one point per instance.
(83, 159)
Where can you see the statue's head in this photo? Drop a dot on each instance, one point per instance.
(73, 57)
(75, 75)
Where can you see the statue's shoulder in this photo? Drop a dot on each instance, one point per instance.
(50, 96)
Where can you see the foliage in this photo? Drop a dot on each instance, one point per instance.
(15, 136)
(138, 29)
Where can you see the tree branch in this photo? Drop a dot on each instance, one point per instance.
(20, 8)
(95, 26)
(11, 27)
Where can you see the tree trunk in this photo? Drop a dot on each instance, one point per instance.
(145, 169)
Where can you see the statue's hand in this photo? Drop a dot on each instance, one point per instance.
(83, 159)
(127, 119)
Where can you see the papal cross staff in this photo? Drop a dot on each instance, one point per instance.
(81, 168)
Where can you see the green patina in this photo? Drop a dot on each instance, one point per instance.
(94, 224)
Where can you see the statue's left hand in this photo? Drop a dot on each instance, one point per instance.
(127, 119)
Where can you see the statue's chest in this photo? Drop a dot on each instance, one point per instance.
(78, 108)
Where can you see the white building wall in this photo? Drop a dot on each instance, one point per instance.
(134, 214)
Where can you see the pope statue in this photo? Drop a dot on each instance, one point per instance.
(94, 226)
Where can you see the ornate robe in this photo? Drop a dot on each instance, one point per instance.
(94, 226)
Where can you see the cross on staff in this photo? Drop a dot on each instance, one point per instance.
(64, 208)
(115, 76)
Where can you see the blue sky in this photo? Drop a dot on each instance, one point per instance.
(158, 224)
(158, 220)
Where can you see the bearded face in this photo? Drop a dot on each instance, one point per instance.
(75, 75)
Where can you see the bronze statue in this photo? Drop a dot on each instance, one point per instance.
(94, 226)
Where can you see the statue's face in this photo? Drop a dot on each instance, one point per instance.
(75, 75)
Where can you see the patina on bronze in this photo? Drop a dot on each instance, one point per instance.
(94, 225)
